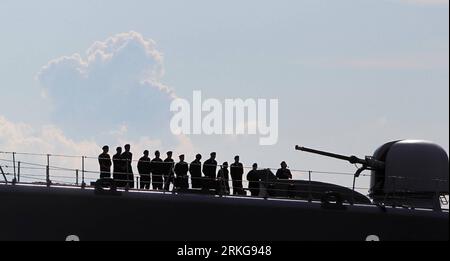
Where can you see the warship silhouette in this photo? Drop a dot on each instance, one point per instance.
(408, 186)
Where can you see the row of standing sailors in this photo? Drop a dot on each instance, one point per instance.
(161, 173)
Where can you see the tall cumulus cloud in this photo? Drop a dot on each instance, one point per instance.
(114, 92)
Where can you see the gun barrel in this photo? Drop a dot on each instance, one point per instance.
(323, 153)
(368, 162)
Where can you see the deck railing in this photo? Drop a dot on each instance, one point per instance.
(62, 170)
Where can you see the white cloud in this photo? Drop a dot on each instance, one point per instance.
(21, 137)
(136, 56)
(115, 87)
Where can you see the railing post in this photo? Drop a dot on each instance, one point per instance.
(76, 177)
(48, 171)
(309, 186)
(18, 171)
(137, 183)
(83, 184)
(14, 165)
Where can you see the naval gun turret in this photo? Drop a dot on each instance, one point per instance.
(410, 173)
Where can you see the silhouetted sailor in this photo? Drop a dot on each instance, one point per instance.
(253, 180)
(209, 170)
(168, 170)
(157, 168)
(195, 169)
(222, 178)
(127, 156)
(284, 172)
(181, 170)
(119, 168)
(144, 168)
(236, 171)
(104, 160)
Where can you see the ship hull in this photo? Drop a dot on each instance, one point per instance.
(56, 214)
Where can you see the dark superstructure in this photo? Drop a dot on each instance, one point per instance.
(408, 180)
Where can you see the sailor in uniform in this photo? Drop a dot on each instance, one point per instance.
(284, 172)
(119, 168)
(253, 180)
(222, 178)
(181, 171)
(168, 170)
(144, 170)
(105, 163)
(156, 166)
(127, 156)
(236, 172)
(209, 170)
(195, 169)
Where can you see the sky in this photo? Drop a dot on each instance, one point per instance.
(349, 75)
